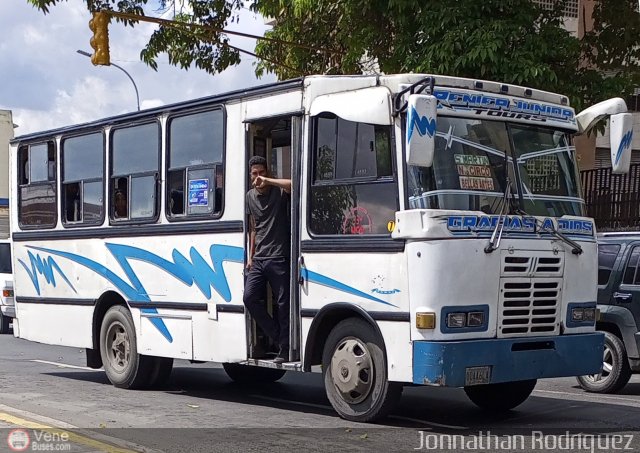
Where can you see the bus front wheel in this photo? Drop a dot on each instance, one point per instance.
(500, 397)
(125, 368)
(354, 368)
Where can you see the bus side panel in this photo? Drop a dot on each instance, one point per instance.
(222, 340)
(174, 340)
(376, 283)
(51, 324)
(397, 341)
(52, 303)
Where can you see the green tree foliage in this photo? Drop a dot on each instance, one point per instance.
(513, 41)
(185, 46)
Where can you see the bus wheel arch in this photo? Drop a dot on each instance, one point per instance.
(323, 323)
(104, 303)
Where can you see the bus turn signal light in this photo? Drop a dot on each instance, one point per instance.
(426, 320)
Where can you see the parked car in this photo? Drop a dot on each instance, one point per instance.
(7, 308)
(618, 311)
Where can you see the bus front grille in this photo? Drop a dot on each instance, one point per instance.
(529, 307)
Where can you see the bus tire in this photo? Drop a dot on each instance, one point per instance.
(615, 372)
(125, 368)
(354, 369)
(500, 397)
(4, 324)
(161, 368)
(252, 375)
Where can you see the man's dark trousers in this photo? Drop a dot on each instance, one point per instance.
(276, 271)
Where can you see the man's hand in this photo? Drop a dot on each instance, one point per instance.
(249, 264)
(260, 182)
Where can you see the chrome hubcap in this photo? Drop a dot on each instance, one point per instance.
(352, 370)
(118, 346)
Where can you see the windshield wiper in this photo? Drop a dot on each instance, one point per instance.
(494, 242)
(576, 249)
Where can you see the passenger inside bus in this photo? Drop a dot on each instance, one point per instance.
(72, 202)
(121, 210)
(121, 204)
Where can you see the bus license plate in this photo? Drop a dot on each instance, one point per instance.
(477, 375)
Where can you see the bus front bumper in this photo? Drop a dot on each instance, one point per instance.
(490, 361)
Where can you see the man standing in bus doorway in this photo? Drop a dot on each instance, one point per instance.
(268, 260)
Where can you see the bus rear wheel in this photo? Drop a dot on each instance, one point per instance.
(125, 368)
(354, 368)
(500, 397)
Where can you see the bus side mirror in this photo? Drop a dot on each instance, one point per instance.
(421, 129)
(620, 139)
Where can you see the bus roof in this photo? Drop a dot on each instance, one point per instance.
(395, 82)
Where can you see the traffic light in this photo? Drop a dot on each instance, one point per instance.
(99, 25)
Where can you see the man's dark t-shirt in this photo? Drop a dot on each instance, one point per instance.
(271, 215)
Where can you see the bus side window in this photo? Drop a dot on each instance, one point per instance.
(353, 189)
(135, 169)
(37, 190)
(83, 179)
(194, 164)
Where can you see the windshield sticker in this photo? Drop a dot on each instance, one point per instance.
(474, 170)
(473, 183)
(468, 159)
(357, 222)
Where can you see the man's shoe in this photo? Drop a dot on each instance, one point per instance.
(283, 355)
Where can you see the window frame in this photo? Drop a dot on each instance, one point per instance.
(393, 179)
(215, 166)
(612, 269)
(632, 247)
(53, 182)
(80, 224)
(111, 177)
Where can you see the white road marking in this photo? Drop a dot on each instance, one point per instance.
(425, 422)
(591, 397)
(65, 365)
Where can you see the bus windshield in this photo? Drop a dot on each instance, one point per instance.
(474, 158)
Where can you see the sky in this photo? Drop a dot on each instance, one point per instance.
(46, 84)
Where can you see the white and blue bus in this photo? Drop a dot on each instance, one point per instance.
(438, 237)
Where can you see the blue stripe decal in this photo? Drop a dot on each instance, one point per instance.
(197, 271)
(45, 268)
(320, 279)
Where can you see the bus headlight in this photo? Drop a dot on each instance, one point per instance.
(589, 314)
(475, 319)
(581, 314)
(577, 314)
(456, 320)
